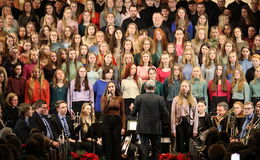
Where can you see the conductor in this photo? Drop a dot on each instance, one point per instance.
(151, 109)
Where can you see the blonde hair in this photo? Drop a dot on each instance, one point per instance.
(32, 82)
(240, 82)
(85, 120)
(200, 77)
(190, 98)
(193, 59)
(152, 45)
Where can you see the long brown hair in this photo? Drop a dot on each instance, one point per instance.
(55, 80)
(222, 78)
(150, 58)
(237, 65)
(208, 60)
(95, 67)
(240, 82)
(180, 77)
(78, 83)
(186, 19)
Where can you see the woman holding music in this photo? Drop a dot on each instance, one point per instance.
(184, 117)
(113, 111)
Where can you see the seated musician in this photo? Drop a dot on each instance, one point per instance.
(249, 114)
(220, 120)
(204, 118)
(89, 134)
(62, 122)
(41, 122)
(239, 114)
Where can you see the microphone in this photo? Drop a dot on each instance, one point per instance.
(186, 94)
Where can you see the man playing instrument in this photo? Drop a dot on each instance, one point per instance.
(220, 120)
(249, 116)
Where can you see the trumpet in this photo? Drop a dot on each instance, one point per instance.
(125, 146)
(76, 121)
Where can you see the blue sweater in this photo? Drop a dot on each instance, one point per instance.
(99, 89)
(189, 29)
(246, 64)
(187, 71)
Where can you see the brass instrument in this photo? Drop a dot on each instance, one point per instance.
(231, 123)
(126, 145)
(217, 119)
(76, 121)
(65, 145)
(251, 126)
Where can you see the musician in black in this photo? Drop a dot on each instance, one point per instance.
(240, 117)
(42, 122)
(204, 118)
(250, 119)
(62, 122)
(220, 120)
(88, 130)
(22, 127)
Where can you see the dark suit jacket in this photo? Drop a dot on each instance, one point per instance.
(56, 123)
(22, 130)
(36, 122)
(151, 109)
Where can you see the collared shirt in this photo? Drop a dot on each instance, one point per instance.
(47, 126)
(247, 121)
(65, 125)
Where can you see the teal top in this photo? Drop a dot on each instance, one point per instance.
(159, 49)
(73, 70)
(58, 93)
(255, 88)
(171, 90)
(244, 94)
(155, 60)
(199, 89)
(158, 90)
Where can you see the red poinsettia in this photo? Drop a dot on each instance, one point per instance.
(74, 155)
(179, 156)
(84, 155)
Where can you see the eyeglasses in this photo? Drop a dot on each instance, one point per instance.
(248, 108)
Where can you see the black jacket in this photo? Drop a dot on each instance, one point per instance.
(56, 123)
(36, 122)
(10, 116)
(22, 130)
(151, 110)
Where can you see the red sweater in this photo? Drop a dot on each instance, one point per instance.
(160, 75)
(94, 20)
(38, 92)
(219, 92)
